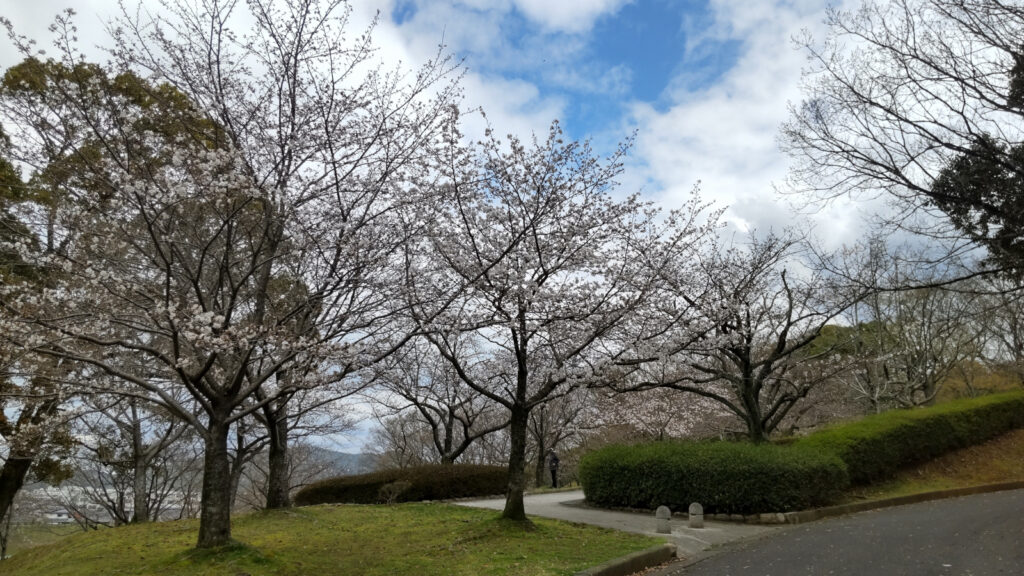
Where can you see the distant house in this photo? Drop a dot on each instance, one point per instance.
(58, 516)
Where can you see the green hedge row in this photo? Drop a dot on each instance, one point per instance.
(726, 477)
(875, 447)
(811, 471)
(434, 482)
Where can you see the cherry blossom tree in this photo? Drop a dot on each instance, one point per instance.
(900, 345)
(753, 356)
(555, 426)
(1000, 314)
(249, 165)
(33, 426)
(541, 272)
(656, 414)
(420, 382)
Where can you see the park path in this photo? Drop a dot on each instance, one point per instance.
(569, 506)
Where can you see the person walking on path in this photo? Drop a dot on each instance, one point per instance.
(553, 467)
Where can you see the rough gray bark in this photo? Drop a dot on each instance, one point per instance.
(514, 507)
(278, 470)
(215, 508)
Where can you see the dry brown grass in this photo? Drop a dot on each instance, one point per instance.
(998, 460)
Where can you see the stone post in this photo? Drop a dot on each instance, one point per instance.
(696, 515)
(663, 514)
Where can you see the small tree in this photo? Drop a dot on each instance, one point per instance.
(899, 345)
(555, 425)
(123, 458)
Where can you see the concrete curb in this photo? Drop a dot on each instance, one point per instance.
(634, 562)
(819, 513)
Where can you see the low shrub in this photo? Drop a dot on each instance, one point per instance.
(725, 477)
(875, 447)
(433, 482)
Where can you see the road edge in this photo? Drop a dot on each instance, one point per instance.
(842, 509)
(632, 563)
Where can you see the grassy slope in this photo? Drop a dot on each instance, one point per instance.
(352, 539)
(998, 460)
(24, 536)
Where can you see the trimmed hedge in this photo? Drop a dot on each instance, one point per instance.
(433, 482)
(725, 477)
(812, 471)
(875, 447)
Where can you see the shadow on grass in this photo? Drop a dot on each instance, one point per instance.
(513, 526)
(233, 553)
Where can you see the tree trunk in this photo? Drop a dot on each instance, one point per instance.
(140, 464)
(277, 465)
(755, 432)
(930, 391)
(12, 477)
(140, 502)
(752, 404)
(215, 508)
(236, 464)
(16, 467)
(514, 508)
(538, 472)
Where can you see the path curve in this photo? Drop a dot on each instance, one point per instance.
(689, 541)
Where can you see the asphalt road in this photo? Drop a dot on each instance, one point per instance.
(974, 535)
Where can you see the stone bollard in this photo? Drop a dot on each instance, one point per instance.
(696, 515)
(663, 514)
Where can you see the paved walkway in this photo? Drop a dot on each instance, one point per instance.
(979, 535)
(569, 506)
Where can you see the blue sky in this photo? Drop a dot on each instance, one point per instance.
(630, 53)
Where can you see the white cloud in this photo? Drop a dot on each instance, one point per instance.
(512, 105)
(494, 61)
(568, 15)
(724, 135)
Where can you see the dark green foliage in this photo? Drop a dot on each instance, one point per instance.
(432, 482)
(811, 471)
(982, 192)
(725, 477)
(877, 446)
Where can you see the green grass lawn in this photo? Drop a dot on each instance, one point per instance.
(998, 460)
(421, 539)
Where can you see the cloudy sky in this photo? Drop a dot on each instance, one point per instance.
(704, 83)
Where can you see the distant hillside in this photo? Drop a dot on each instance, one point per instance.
(345, 462)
